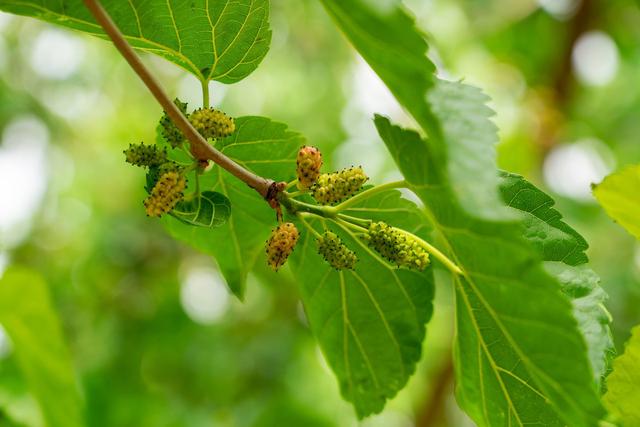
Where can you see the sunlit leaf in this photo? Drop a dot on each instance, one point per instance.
(618, 195)
(210, 209)
(520, 357)
(221, 40)
(31, 323)
(370, 322)
(623, 385)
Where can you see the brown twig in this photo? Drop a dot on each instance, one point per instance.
(433, 411)
(200, 148)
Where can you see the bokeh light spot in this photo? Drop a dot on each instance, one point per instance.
(203, 295)
(595, 58)
(570, 169)
(56, 54)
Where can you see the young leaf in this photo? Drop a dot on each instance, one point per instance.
(618, 195)
(267, 148)
(210, 209)
(43, 357)
(557, 241)
(520, 358)
(221, 40)
(623, 385)
(370, 322)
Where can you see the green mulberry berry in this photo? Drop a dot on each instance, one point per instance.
(332, 188)
(212, 123)
(280, 244)
(336, 253)
(167, 192)
(308, 162)
(397, 246)
(145, 155)
(170, 131)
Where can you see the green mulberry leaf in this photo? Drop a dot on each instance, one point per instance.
(210, 209)
(370, 321)
(26, 313)
(618, 195)
(557, 241)
(221, 40)
(506, 305)
(623, 384)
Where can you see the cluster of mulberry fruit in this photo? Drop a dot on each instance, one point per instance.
(398, 247)
(212, 123)
(336, 253)
(280, 244)
(166, 194)
(166, 180)
(332, 188)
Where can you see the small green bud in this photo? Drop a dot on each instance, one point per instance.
(212, 123)
(280, 244)
(145, 155)
(400, 248)
(167, 192)
(332, 188)
(336, 253)
(308, 163)
(170, 132)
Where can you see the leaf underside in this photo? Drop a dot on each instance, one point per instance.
(221, 40)
(507, 305)
(369, 322)
(267, 148)
(505, 376)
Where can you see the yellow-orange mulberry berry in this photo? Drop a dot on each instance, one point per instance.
(397, 246)
(280, 244)
(332, 188)
(336, 253)
(308, 162)
(212, 123)
(164, 196)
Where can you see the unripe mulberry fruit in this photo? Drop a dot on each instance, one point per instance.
(170, 131)
(145, 155)
(280, 244)
(212, 123)
(308, 164)
(164, 196)
(156, 172)
(336, 253)
(397, 246)
(332, 188)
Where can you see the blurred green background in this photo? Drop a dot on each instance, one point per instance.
(155, 338)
